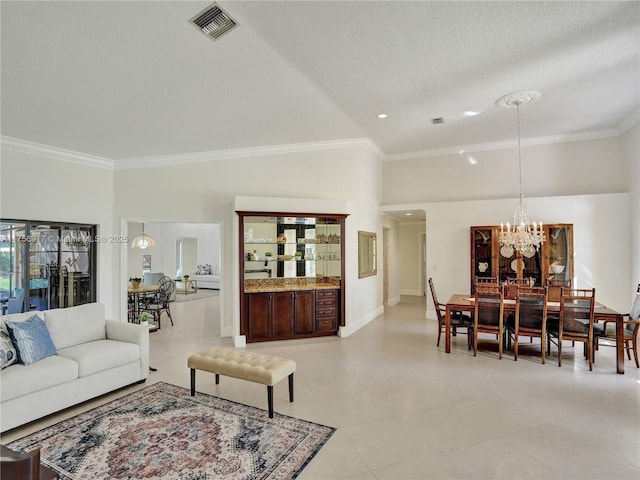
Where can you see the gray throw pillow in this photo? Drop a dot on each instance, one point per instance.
(31, 339)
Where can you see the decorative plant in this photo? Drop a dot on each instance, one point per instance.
(186, 277)
(298, 254)
(135, 279)
(144, 317)
(268, 254)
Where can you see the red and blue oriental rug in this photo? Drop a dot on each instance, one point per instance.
(161, 432)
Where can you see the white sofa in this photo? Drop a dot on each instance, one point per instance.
(207, 280)
(94, 356)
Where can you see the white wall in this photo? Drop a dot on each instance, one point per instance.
(35, 187)
(163, 255)
(571, 168)
(630, 151)
(205, 192)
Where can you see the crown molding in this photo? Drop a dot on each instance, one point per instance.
(525, 142)
(163, 160)
(47, 151)
(629, 122)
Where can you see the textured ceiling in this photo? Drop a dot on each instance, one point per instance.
(124, 80)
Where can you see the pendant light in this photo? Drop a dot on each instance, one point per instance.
(143, 241)
(523, 236)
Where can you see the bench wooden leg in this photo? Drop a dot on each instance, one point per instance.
(217, 379)
(291, 388)
(193, 382)
(270, 399)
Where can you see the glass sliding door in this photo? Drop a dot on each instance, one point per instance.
(12, 266)
(49, 264)
(76, 265)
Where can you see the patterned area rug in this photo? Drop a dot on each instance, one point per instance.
(163, 432)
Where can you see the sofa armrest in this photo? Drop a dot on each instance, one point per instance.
(132, 333)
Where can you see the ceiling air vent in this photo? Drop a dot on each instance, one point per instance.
(437, 121)
(213, 22)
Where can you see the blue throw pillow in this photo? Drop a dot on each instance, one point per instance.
(31, 339)
(8, 354)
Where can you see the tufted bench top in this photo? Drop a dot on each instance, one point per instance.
(251, 366)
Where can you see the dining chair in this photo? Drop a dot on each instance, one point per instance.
(530, 319)
(488, 313)
(607, 330)
(575, 322)
(458, 319)
(511, 287)
(16, 304)
(555, 288)
(161, 300)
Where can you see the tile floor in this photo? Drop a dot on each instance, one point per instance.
(406, 410)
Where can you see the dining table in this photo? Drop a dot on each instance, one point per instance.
(141, 291)
(464, 302)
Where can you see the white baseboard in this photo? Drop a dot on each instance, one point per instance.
(413, 293)
(361, 322)
(240, 341)
(393, 301)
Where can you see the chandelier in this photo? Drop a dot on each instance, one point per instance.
(523, 236)
(143, 241)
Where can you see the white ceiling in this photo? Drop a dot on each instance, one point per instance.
(123, 79)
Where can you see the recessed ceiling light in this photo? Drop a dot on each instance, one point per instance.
(382, 115)
(470, 113)
(472, 161)
(408, 213)
(461, 151)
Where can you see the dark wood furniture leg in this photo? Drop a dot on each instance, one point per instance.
(270, 399)
(291, 388)
(619, 344)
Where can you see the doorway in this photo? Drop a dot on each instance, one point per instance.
(177, 244)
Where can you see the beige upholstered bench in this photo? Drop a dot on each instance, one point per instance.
(254, 367)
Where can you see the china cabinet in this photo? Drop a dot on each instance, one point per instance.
(291, 275)
(554, 259)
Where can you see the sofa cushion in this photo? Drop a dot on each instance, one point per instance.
(76, 325)
(19, 317)
(31, 339)
(18, 380)
(100, 355)
(8, 353)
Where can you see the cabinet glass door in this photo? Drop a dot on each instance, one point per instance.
(559, 247)
(481, 254)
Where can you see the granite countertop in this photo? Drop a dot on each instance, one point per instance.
(289, 284)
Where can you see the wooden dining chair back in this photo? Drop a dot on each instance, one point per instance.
(458, 319)
(511, 287)
(530, 319)
(555, 286)
(488, 313)
(575, 322)
(606, 331)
